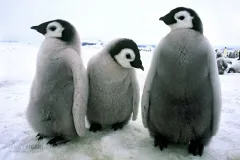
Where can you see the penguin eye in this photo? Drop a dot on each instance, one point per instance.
(53, 28)
(181, 17)
(128, 56)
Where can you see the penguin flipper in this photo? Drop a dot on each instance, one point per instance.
(145, 100)
(136, 94)
(216, 91)
(80, 97)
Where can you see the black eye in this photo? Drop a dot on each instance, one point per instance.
(53, 28)
(181, 17)
(128, 56)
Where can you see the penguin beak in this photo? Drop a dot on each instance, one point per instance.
(137, 64)
(34, 27)
(40, 28)
(161, 18)
(168, 19)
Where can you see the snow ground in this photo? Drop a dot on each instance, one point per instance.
(18, 142)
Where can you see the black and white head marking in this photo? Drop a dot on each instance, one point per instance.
(126, 53)
(58, 28)
(182, 17)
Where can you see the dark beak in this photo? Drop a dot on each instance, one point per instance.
(40, 28)
(168, 19)
(34, 27)
(137, 63)
(161, 18)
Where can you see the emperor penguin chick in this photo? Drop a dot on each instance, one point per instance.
(181, 100)
(59, 91)
(113, 86)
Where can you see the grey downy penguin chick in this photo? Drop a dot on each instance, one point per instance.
(219, 54)
(113, 87)
(59, 91)
(181, 100)
(222, 65)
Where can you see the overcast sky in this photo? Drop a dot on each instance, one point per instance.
(107, 19)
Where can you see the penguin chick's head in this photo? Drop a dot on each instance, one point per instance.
(182, 17)
(58, 28)
(126, 53)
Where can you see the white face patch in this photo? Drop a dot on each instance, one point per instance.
(184, 20)
(124, 57)
(54, 30)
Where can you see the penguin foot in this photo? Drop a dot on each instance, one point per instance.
(95, 127)
(117, 126)
(57, 140)
(196, 148)
(39, 136)
(161, 141)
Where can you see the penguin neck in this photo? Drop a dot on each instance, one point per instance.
(76, 43)
(111, 66)
(54, 44)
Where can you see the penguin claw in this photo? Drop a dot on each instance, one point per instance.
(195, 148)
(95, 127)
(57, 141)
(161, 141)
(40, 136)
(117, 126)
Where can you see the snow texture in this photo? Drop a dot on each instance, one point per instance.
(18, 141)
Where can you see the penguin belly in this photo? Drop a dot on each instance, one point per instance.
(180, 118)
(110, 103)
(181, 99)
(50, 107)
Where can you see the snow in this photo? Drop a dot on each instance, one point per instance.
(17, 139)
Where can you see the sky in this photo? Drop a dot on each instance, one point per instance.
(108, 19)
